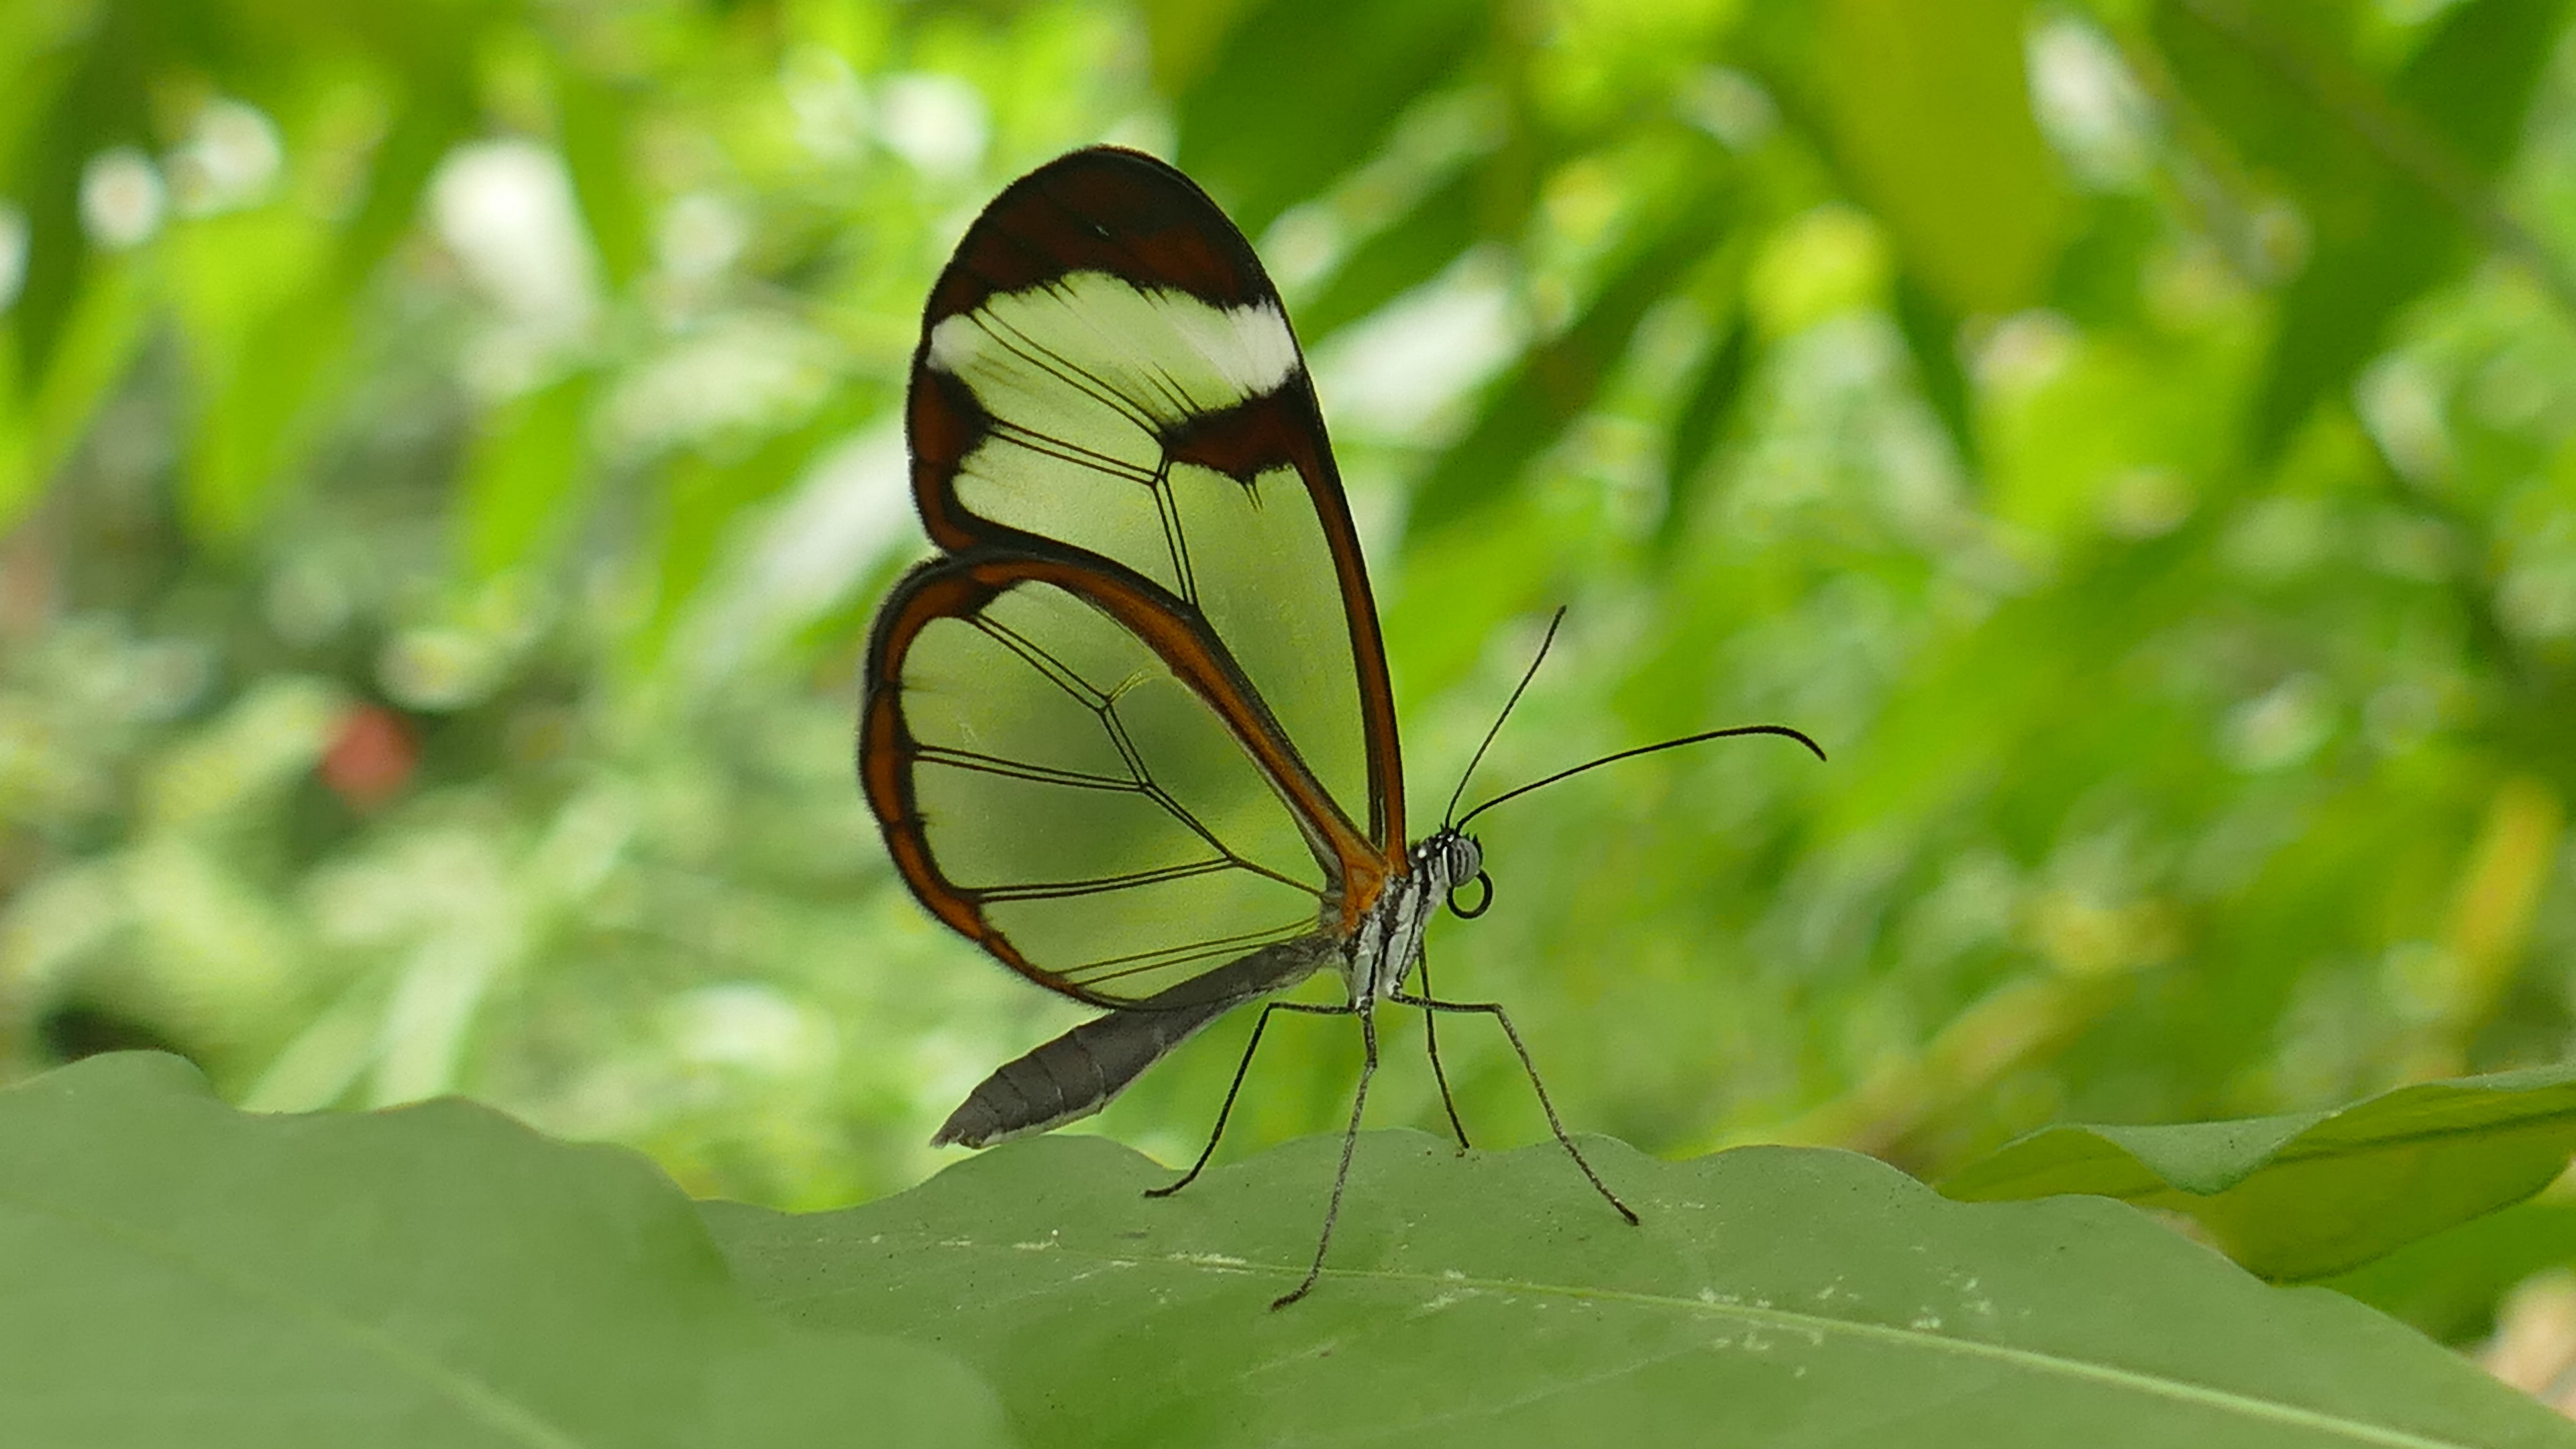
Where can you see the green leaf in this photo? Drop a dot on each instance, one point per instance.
(702, 497)
(248, 436)
(178, 1271)
(436, 115)
(1773, 1295)
(1185, 36)
(1303, 90)
(2307, 1194)
(1931, 335)
(93, 350)
(1709, 406)
(529, 464)
(258, 335)
(102, 102)
(2392, 182)
(2449, 1285)
(1400, 256)
(271, 373)
(595, 121)
(1932, 118)
(1530, 406)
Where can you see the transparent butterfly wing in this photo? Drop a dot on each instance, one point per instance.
(1136, 723)
(1075, 798)
(1105, 367)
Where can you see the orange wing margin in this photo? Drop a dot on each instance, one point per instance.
(958, 587)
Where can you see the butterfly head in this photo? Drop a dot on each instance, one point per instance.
(1451, 859)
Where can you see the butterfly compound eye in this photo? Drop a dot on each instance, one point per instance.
(1462, 860)
(1466, 858)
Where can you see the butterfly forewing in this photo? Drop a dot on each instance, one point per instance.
(1105, 369)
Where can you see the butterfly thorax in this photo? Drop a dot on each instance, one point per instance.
(1388, 943)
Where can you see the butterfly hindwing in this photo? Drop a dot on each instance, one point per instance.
(1049, 751)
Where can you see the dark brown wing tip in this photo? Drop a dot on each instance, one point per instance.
(1103, 208)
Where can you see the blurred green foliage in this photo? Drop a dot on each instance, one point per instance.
(449, 453)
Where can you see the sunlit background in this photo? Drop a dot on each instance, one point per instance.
(449, 452)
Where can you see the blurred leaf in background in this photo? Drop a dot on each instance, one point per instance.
(449, 456)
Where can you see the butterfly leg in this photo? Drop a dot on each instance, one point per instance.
(1240, 1068)
(1341, 1175)
(1495, 1010)
(1431, 1038)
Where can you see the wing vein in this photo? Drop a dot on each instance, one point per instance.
(1064, 889)
(1063, 451)
(1072, 374)
(1103, 705)
(1047, 665)
(1167, 509)
(1022, 770)
(1140, 962)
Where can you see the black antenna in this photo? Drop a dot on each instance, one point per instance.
(1782, 730)
(1532, 673)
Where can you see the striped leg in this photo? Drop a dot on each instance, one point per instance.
(1431, 1038)
(1494, 1009)
(1342, 1175)
(1241, 1067)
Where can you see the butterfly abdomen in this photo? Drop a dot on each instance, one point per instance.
(1079, 1072)
(1072, 1076)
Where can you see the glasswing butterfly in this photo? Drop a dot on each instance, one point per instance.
(1130, 732)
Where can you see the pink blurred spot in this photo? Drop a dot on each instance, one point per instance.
(371, 758)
